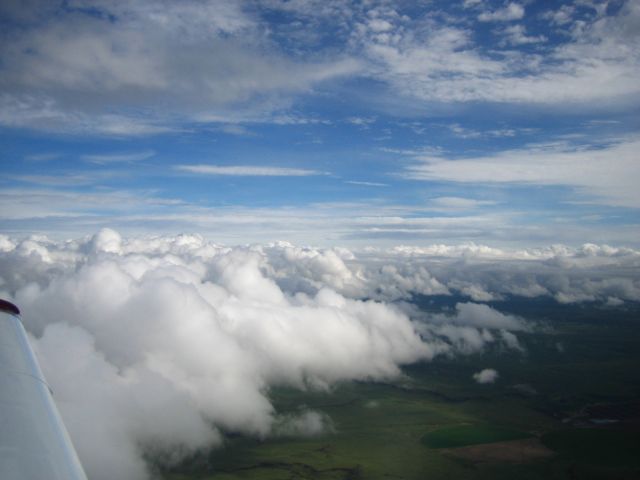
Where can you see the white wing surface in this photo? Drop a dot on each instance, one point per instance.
(34, 443)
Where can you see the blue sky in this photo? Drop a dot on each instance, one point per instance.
(323, 122)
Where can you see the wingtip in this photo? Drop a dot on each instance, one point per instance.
(8, 307)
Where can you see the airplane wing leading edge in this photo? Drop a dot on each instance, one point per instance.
(34, 443)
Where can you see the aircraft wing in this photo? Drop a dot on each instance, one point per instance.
(34, 443)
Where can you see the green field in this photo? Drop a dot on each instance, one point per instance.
(464, 435)
(407, 429)
(612, 447)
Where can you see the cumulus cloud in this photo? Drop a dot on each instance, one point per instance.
(517, 35)
(567, 274)
(307, 424)
(488, 375)
(512, 11)
(470, 328)
(128, 329)
(483, 316)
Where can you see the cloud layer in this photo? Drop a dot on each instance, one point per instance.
(140, 68)
(129, 330)
(605, 173)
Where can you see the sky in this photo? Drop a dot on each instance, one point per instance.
(202, 201)
(323, 122)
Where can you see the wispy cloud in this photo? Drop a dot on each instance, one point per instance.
(54, 180)
(236, 129)
(42, 157)
(119, 157)
(608, 174)
(367, 184)
(459, 203)
(144, 65)
(361, 121)
(517, 35)
(130, 75)
(248, 171)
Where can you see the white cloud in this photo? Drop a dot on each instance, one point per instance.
(55, 180)
(471, 3)
(180, 325)
(481, 316)
(148, 68)
(248, 170)
(586, 273)
(47, 114)
(517, 35)
(459, 203)
(236, 129)
(28, 209)
(562, 16)
(366, 184)
(118, 157)
(307, 424)
(143, 67)
(434, 61)
(607, 174)
(511, 341)
(361, 121)
(488, 375)
(512, 11)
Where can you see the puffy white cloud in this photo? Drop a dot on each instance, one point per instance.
(586, 273)
(512, 11)
(517, 35)
(307, 424)
(111, 412)
(488, 375)
(483, 316)
(511, 341)
(471, 327)
(457, 339)
(129, 328)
